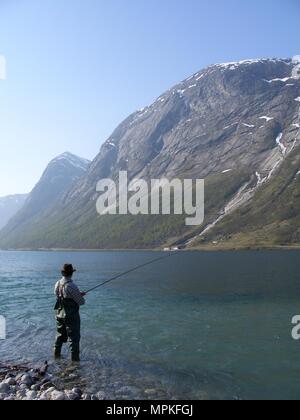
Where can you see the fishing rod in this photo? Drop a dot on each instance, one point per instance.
(131, 271)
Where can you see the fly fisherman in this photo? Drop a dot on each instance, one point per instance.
(69, 300)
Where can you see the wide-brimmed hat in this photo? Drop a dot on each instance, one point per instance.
(68, 270)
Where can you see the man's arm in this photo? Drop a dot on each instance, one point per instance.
(56, 288)
(74, 293)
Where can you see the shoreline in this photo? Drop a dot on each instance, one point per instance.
(25, 383)
(208, 248)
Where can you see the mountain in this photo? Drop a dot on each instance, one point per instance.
(9, 206)
(59, 176)
(237, 125)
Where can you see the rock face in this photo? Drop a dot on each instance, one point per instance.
(235, 124)
(9, 206)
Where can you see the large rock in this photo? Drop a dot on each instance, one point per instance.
(27, 380)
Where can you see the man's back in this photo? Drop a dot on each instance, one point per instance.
(67, 289)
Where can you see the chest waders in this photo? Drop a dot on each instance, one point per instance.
(68, 325)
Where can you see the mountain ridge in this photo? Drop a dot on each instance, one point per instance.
(9, 206)
(59, 175)
(233, 124)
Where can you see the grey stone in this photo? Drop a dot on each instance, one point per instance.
(31, 395)
(58, 396)
(10, 381)
(86, 397)
(101, 396)
(77, 391)
(72, 396)
(27, 380)
(46, 386)
(4, 388)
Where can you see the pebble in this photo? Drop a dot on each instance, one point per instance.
(150, 392)
(86, 397)
(58, 396)
(101, 396)
(46, 386)
(72, 396)
(77, 391)
(31, 395)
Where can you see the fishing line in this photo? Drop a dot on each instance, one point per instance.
(131, 271)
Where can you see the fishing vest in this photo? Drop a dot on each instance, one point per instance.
(65, 308)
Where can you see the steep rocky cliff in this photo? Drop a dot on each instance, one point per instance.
(235, 124)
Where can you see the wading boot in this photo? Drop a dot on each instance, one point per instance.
(57, 353)
(75, 357)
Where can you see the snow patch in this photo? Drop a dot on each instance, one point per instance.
(181, 92)
(227, 170)
(260, 179)
(235, 64)
(110, 143)
(249, 125)
(280, 144)
(266, 118)
(296, 59)
(286, 79)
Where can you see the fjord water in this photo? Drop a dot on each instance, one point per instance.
(197, 325)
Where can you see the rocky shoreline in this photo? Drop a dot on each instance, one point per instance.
(21, 383)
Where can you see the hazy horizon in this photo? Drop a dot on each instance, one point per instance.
(76, 70)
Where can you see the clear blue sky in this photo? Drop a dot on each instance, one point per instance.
(77, 68)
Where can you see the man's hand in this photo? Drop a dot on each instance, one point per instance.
(83, 294)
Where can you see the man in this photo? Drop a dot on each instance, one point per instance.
(69, 300)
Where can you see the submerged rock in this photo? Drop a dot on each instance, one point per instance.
(4, 388)
(101, 396)
(150, 392)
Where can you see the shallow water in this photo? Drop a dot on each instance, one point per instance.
(199, 325)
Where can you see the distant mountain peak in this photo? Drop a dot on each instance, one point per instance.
(296, 59)
(72, 159)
